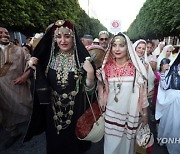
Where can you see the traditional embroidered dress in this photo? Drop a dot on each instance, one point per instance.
(124, 97)
(59, 92)
(122, 117)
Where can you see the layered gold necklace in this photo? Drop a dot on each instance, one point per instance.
(63, 104)
(65, 64)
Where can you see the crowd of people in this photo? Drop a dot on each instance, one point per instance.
(46, 81)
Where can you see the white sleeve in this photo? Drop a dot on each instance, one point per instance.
(165, 80)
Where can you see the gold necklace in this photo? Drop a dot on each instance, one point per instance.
(120, 80)
(63, 112)
(65, 63)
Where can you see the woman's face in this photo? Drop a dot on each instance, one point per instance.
(119, 49)
(168, 52)
(64, 40)
(140, 49)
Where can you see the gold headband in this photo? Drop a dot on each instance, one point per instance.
(60, 30)
(120, 39)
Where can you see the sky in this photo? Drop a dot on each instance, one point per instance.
(106, 11)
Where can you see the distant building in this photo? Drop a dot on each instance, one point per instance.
(174, 40)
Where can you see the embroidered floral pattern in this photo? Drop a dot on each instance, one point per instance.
(113, 70)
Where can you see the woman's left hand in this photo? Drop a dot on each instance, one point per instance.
(144, 120)
(88, 67)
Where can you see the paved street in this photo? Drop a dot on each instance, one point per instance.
(37, 145)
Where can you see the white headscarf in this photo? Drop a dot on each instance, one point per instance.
(157, 51)
(163, 55)
(104, 90)
(150, 73)
(133, 56)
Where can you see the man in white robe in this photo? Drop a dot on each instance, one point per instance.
(15, 96)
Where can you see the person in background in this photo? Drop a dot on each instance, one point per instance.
(158, 49)
(176, 50)
(87, 40)
(140, 47)
(63, 76)
(150, 57)
(28, 49)
(122, 95)
(28, 40)
(15, 96)
(95, 41)
(166, 53)
(157, 79)
(16, 42)
(168, 104)
(104, 39)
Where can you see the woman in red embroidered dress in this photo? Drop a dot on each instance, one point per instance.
(122, 95)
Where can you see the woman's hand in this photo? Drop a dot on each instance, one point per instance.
(90, 73)
(99, 74)
(144, 117)
(88, 67)
(144, 120)
(33, 62)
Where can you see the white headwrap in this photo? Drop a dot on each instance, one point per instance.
(104, 90)
(163, 55)
(133, 56)
(150, 73)
(157, 51)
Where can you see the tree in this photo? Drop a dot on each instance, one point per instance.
(156, 19)
(31, 16)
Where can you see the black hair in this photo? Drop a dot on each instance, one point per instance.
(163, 62)
(28, 47)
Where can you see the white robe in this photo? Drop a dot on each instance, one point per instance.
(15, 100)
(168, 111)
(122, 117)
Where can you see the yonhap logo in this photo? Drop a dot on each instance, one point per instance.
(165, 140)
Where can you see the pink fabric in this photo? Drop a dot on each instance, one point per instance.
(142, 97)
(113, 70)
(156, 84)
(103, 91)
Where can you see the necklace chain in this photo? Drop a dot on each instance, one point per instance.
(120, 81)
(63, 112)
(65, 63)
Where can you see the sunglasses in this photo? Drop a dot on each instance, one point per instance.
(101, 39)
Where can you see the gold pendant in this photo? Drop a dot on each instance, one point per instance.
(115, 99)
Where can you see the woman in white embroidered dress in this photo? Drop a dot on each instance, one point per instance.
(122, 95)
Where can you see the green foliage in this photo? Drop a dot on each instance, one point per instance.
(31, 16)
(156, 19)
